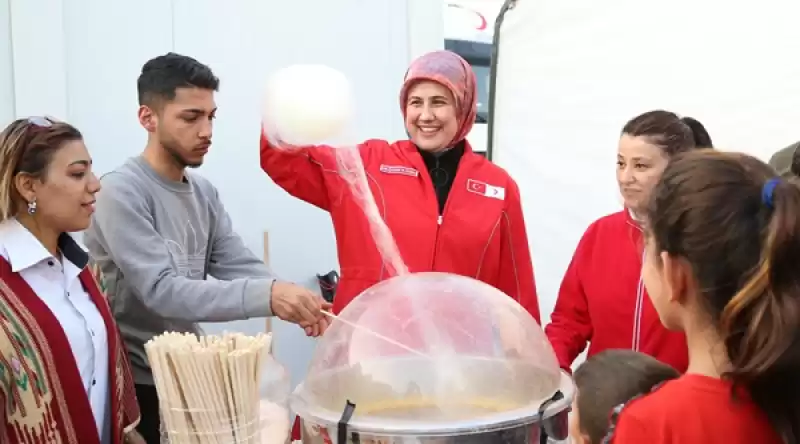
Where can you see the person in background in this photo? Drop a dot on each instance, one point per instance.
(449, 209)
(64, 373)
(602, 299)
(609, 379)
(784, 161)
(160, 230)
(721, 258)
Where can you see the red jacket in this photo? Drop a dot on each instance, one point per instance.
(602, 299)
(481, 233)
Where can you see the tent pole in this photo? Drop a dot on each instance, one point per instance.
(498, 23)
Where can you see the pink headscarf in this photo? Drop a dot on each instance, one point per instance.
(453, 72)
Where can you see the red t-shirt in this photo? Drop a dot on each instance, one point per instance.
(693, 409)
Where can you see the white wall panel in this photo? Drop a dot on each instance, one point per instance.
(39, 49)
(7, 100)
(79, 60)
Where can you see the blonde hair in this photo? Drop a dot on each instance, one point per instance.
(27, 146)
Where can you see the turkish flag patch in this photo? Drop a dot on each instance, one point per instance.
(486, 190)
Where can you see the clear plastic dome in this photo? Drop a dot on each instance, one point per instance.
(429, 350)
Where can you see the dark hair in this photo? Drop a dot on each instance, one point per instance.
(163, 75)
(611, 378)
(27, 146)
(672, 133)
(719, 213)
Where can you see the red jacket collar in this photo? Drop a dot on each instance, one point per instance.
(409, 146)
(636, 223)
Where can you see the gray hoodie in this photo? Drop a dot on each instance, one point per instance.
(155, 241)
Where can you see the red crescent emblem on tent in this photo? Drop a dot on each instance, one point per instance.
(482, 22)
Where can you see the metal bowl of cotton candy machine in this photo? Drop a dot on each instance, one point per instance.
(433, 358)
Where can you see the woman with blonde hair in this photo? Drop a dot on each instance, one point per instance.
(64, 375)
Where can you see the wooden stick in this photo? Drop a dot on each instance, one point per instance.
(251, 389)
(190, 394)
(266, 261)
(237, 391)
(233, 423)
(178, 403)
(205, 396)
(374, 333)
(174, 421)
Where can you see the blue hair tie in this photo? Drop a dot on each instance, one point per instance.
(768, 190)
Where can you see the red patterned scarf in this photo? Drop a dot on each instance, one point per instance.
(42, 399)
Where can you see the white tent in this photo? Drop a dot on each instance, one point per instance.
(569, 74)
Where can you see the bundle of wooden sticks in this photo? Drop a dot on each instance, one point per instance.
(208, 386)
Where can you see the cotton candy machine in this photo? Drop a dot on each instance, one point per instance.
(433, 358)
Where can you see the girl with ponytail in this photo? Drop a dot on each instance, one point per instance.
(721, 265)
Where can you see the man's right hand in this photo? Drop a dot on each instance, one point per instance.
(296, 304)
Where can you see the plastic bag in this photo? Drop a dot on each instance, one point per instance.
(276, 422)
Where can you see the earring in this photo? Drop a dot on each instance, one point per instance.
(32, 206)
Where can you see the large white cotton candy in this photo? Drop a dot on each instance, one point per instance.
(308, 104)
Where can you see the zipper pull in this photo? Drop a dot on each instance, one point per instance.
(440, 220)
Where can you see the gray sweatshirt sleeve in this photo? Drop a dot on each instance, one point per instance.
(124, 223)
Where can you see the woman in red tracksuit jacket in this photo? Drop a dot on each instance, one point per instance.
(449, 209)
(602, 300)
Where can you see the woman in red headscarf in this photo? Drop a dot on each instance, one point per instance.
(449, 209)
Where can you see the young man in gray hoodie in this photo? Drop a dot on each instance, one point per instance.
(160, 230)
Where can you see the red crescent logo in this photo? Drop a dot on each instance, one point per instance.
(482, 24)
